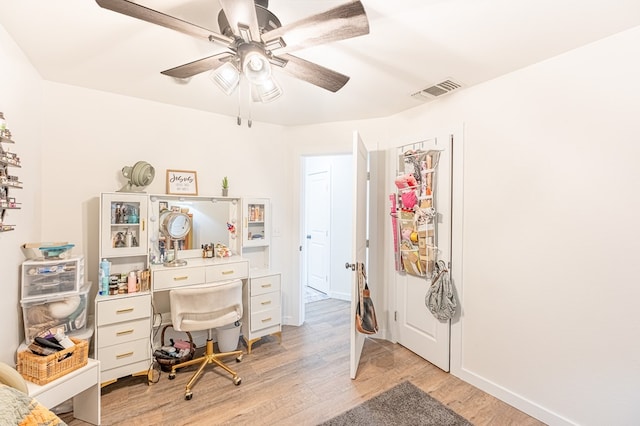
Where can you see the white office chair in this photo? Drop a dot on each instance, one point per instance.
(206, 308)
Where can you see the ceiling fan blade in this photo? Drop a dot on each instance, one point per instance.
(346, 21)
(313, 73)
(196, 67)
(242, 18)
(135, 10)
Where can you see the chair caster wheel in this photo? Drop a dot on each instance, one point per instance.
(237, 381)
(188, 396)
(239, 359)
(172, 376)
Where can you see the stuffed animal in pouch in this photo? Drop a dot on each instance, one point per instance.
(407, 184)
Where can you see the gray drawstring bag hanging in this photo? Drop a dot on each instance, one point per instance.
(440, 299)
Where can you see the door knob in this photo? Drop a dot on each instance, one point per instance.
(351, 266)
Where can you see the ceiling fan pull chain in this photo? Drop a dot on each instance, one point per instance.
(249, 121)
(239, 107)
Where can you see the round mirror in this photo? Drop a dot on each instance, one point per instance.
(175, 226)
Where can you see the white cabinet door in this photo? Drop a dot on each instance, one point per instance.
(123, 224)
(256, 218)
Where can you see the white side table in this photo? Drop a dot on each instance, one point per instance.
(83, 385)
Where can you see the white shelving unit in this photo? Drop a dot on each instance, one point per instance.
(262, 297)
(123, 321)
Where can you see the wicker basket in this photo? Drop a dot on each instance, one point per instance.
(44, 369)
(167, 363)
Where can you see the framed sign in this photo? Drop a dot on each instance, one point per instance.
(182, 182)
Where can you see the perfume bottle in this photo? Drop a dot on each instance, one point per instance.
(128, 238)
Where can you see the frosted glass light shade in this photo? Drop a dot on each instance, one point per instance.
(256, 67)
(268, 91)
(227, 77)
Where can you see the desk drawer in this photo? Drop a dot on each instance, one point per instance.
(123, 309)
(124, 353)
(122, 332)
(264, 319)
(227, 271)
(265, 302)
(265, 284)
(175, 278)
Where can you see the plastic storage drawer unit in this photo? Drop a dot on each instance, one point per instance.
(52, 277)
(66, 313)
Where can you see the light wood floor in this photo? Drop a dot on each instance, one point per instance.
(303, 381)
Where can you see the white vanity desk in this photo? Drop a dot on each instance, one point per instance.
(261, 291)
(198, 271)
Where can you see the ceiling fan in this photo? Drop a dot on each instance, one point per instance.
(254, 40)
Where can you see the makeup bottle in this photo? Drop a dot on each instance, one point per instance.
(131, 282)
(128, 238)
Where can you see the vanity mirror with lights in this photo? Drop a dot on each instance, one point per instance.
(213, 222)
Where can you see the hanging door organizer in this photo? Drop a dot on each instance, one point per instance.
(414, 210)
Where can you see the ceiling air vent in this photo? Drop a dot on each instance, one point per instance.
(437, 90)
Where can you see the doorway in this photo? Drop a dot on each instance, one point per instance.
(326, 215)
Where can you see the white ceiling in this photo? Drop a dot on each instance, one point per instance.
(412, 44)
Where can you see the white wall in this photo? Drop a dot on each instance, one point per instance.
(551, 236)
(91, 135)
(549, 288)
(20, 100)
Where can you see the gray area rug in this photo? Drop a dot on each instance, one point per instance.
(404, 404)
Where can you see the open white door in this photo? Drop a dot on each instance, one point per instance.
(360, 163)
(418, 330)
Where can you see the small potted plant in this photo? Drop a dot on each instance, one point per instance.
(225, 186)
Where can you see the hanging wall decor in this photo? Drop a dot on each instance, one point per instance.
(8, 182)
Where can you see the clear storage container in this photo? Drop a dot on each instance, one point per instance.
(52, 277)
(66, 313)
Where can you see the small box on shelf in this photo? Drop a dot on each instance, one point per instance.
(52, 277)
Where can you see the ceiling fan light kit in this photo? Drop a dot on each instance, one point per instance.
(268, 91)
(254, 40)
(227, 77)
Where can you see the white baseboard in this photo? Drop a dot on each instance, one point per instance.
(513, 399)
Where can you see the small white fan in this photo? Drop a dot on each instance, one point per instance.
(140, 175)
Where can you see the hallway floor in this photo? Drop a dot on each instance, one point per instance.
(312, 295)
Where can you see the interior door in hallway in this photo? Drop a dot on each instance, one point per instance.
(359, 255)
(417, 329)
(317, 211)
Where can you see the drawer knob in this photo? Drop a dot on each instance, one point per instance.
(122, 333)
(266, 285)
(266, 319)
(266, 302)
(227, 272)
(185, 277)
(124, 311)
(120, 356)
